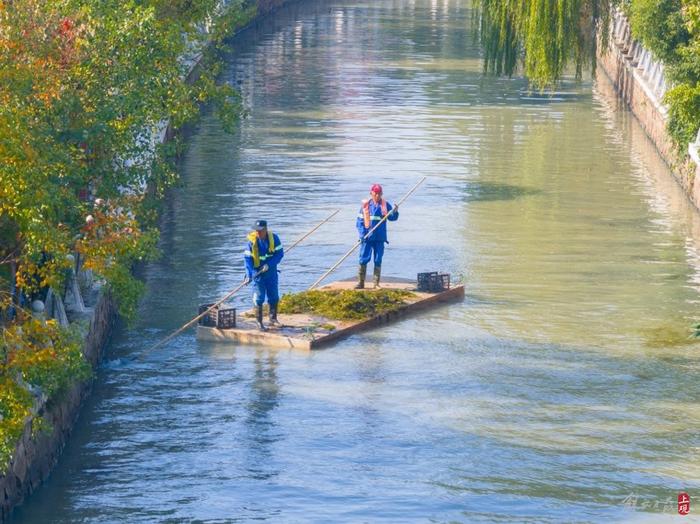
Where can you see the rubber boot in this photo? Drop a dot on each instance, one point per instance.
(258, 319)
(273, 316)
(361, 274)
(377, 275)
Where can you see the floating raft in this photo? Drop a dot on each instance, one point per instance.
(311, 332)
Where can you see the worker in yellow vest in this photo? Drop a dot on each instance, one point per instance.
(263, 253)
(371, 213)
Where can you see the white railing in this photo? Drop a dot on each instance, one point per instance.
(649, 72)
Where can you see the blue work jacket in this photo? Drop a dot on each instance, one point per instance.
(271, 259)
(375, 215)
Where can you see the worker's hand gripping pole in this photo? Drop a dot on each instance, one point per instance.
(236, 289)
(369, 233)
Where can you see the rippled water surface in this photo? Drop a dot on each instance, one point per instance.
(561, 387)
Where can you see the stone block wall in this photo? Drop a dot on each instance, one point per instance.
(641, 83)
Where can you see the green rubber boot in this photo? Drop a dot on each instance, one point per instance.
(273, 316)
(259, 319)
(377, 275)
(361, 275)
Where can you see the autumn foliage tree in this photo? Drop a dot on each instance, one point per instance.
(85, 86)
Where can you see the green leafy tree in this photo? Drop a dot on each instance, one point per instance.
(684, 97)
(85, 85)
(659, 26)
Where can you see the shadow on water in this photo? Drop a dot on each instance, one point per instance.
(474, 299)
(493, 191)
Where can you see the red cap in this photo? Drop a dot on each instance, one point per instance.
(376, 188)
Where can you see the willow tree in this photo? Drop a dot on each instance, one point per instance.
(544, 37)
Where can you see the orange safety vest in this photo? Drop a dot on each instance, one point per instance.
(366, 215)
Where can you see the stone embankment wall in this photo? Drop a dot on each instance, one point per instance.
(641, 83)
(35, 455)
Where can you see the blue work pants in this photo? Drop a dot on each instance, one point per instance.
(366, 250)
(265, 286)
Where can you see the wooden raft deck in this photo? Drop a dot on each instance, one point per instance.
(311, 332)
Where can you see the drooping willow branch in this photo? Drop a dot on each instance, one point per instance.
(543, 36)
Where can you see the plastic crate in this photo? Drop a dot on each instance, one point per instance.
(433, 282)
(227, 319)
(211, 318)
(444, 279)
(425, 280)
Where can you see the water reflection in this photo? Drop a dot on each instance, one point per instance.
(262, 431)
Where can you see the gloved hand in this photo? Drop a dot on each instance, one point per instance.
(395, 209)
(246, 280)
(264, 268)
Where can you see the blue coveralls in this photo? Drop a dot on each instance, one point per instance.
(264, 285)
(375, 243)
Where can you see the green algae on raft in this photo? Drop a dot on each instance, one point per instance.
(344, 304)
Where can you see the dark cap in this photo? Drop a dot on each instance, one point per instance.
(260, 225)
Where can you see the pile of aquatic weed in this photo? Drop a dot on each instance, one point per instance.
(344, 304)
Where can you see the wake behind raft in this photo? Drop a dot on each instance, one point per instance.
(310, 321)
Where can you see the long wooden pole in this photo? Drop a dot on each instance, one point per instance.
(369, 233)
(234, 290)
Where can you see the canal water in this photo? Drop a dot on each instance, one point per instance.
(563, 388)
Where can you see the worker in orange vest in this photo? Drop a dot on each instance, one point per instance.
(371, 213)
